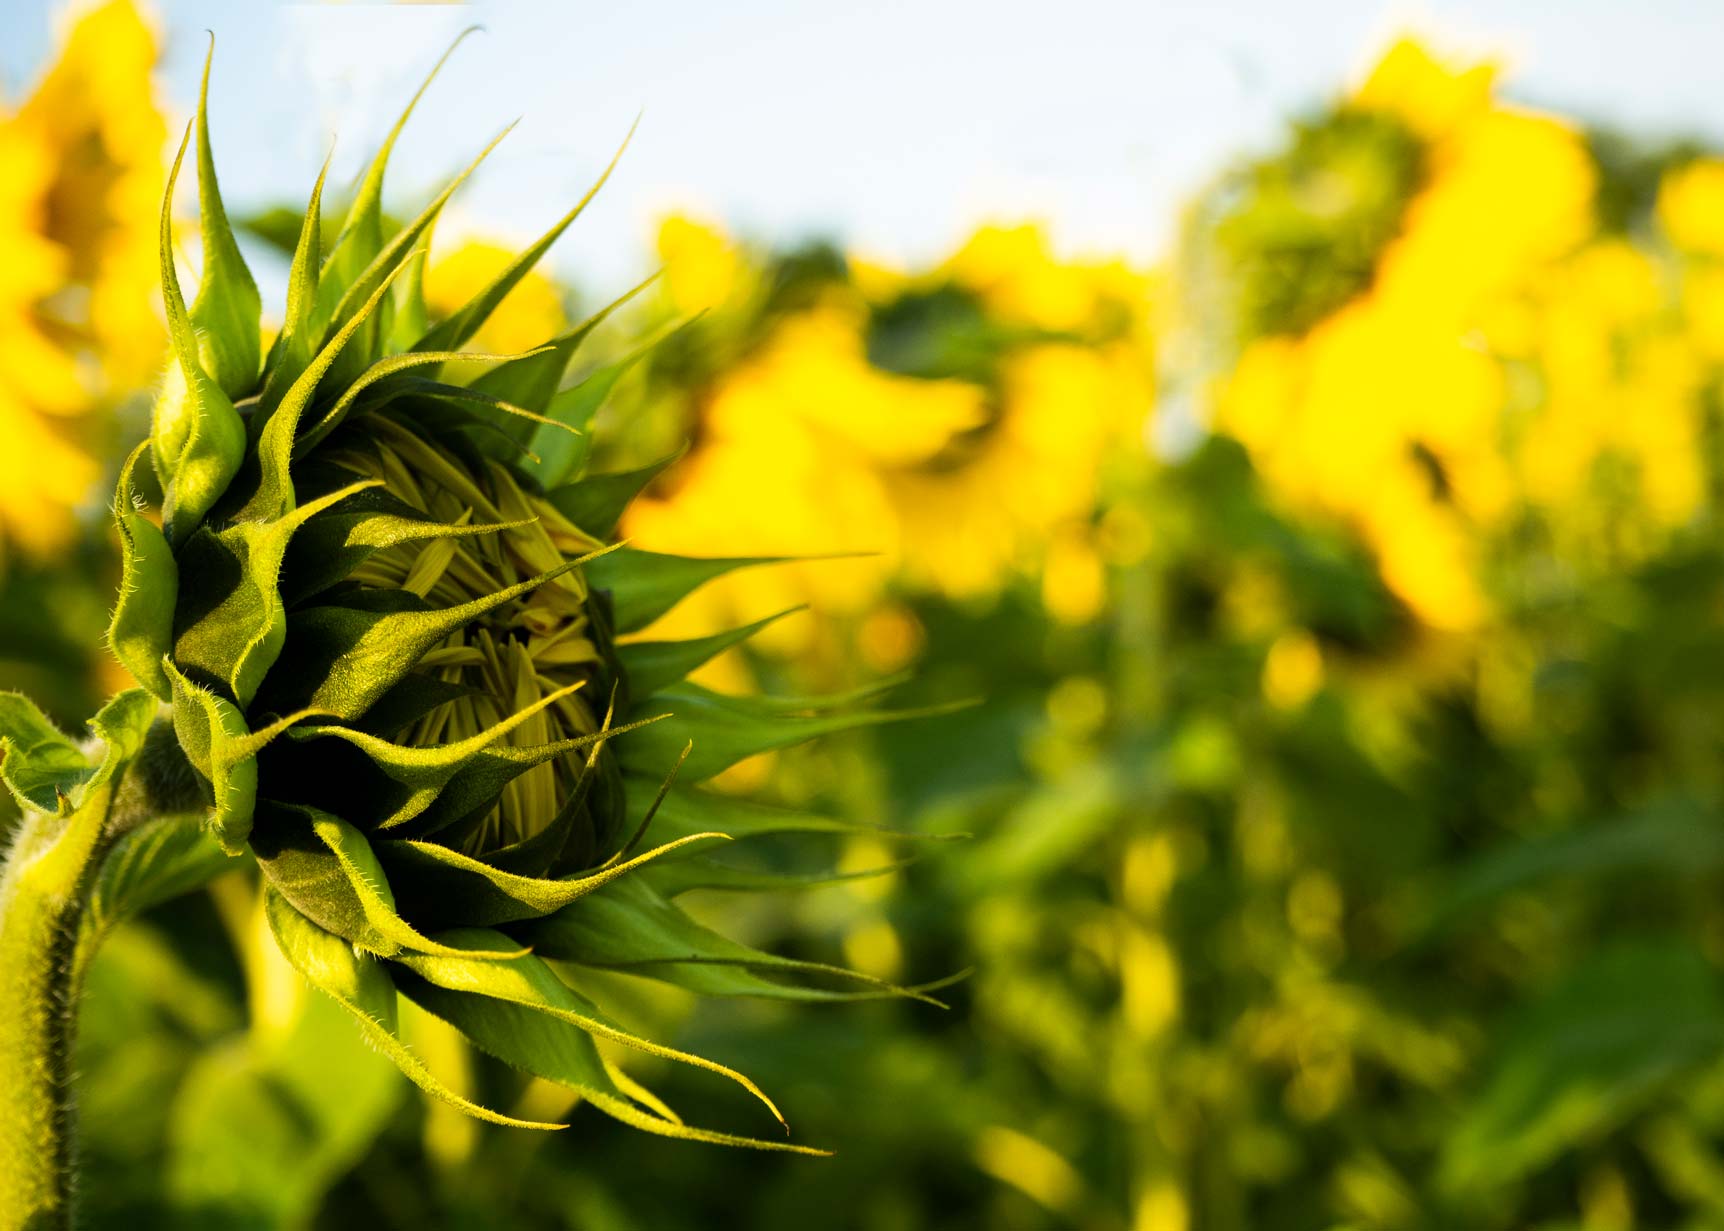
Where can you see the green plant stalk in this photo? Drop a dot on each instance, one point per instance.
(40, 906)
(44, 888)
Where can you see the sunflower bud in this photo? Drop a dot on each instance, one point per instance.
(384, 612)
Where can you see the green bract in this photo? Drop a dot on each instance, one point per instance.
(382, 607)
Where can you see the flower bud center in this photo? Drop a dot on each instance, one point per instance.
(514, 655)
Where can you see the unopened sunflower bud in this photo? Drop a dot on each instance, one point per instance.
(385, 615)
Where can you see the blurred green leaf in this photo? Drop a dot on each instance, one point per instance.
(1594, 1049)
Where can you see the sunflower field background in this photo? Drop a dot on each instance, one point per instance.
(1337, 837)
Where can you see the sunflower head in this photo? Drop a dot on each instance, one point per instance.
(380, 602)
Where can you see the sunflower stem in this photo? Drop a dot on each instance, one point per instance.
(44, 889)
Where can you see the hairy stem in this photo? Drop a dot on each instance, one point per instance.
(40, 897)
(43, 886)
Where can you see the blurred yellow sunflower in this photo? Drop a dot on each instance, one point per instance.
(82, 177)
(954, 423)
(1510, 356)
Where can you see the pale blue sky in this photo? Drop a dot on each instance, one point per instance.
(897, 125)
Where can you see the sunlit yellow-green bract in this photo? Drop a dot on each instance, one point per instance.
(383, 610)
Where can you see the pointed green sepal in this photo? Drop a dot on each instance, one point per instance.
(227, 312)
(474, 787)
(643, 585)
(340, 659)
(376, 381)
(329, 547)
(655, 665)
(470, 401)
(532, 380)
(439, 884)
(627, 925)
(596, 503)
(689, 810)
(274, 494)
(528, 982)
(213, 734)
(674, 877)
(410, 316)
(457, 329)
(361, 237)
(238, 639)
(331, 875)
(559, 447)
(559, 1051)
(197, 437)
(142, 628)
(294, 346)
(424, 771)
(725, 730)
(361, 985)
(394, 257)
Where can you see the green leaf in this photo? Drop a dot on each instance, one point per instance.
(121, 725)
(227, 311)
(1581, 1059)
(361, 986)
(725, 730)
(263, 1123)
(197, 437)
(596, 502)
(652, 666)
(46, 771)
(40, 765)
(142, 627)
(71, 794)
(151, 864)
